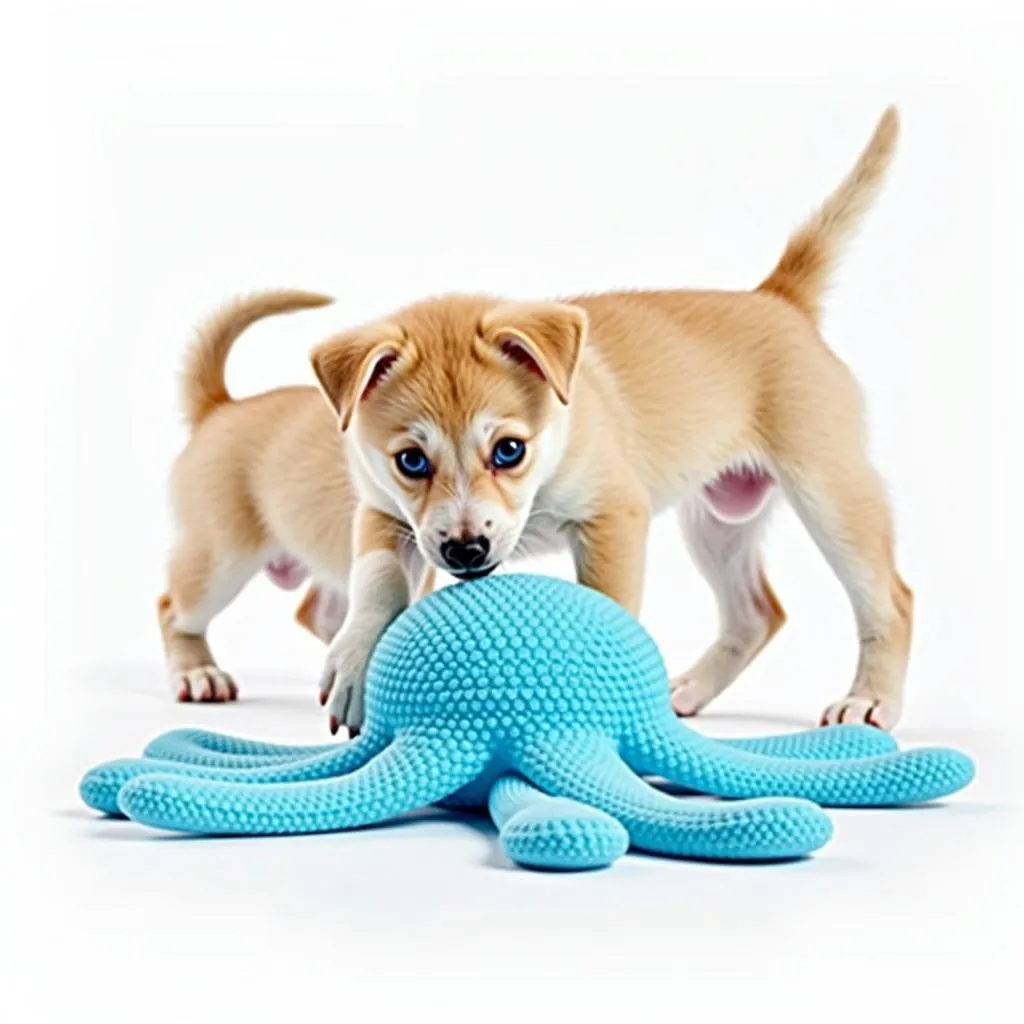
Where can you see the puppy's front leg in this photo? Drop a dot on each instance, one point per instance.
(378, 591)
(611, 547)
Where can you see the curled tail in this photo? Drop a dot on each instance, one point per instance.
(202, 379)
(801, 275)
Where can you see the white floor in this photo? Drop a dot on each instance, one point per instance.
(925, 896)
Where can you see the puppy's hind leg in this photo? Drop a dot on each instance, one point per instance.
(823, 467)
(200, 586)
(728, 554)
(845, 510)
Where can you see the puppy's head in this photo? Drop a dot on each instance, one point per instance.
(456, 411)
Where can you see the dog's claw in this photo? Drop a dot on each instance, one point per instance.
(204, 684)
(879, 713)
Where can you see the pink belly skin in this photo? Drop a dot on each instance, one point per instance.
(738, 494)
(286, 572)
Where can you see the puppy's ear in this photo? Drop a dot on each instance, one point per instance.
(544, 337)
(351, 365)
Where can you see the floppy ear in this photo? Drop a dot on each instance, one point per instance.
(544, 337)
(349, 366)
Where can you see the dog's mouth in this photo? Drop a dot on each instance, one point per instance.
(474, 574)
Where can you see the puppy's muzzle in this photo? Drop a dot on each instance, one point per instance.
(467, 559)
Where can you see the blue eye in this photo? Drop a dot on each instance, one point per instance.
(413, 463)
(508, 452)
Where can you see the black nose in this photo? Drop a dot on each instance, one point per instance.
(464, 555)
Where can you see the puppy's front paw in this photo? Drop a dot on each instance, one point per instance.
(204, 683)
(341, 685)
(882, 714)
(689, 696)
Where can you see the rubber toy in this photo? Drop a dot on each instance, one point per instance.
(548, 704)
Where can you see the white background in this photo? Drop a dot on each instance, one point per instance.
(164, 157)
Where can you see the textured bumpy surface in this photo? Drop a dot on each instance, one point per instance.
(546, 702)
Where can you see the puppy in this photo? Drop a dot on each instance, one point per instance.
(488, 427)
(474, 429)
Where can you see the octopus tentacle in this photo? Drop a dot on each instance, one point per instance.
(101, 786)
(589, 769)
(198, 746)
(415, 770)
(838, 742)
(542, 831)
(696, 762)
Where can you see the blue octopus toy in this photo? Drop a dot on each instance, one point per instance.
(547, 703)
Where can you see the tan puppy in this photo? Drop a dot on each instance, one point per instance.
(476, 429)
(487, 427)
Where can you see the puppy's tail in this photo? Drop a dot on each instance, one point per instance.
(202, 379)
(801, 276)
